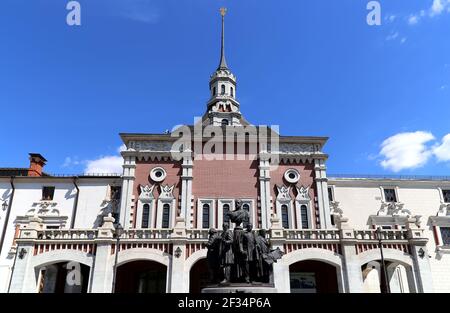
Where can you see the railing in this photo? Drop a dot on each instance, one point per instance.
(373, 234)
(202, 234)
(66, 234)
(391, 177)
(197, 234)
(311, 234)
(146, 234)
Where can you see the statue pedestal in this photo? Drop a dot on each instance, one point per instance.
(240, 288)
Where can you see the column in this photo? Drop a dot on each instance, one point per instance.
(129, 168)
(102, 270)
(264, 187)
(179, 276)
(322, 193)
(23, 279)
(353, 282)
(422, 269)
(186, 187)
(281, 278)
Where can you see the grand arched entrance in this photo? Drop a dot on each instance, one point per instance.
(141, 277)
(396, 278)
(312, 276)
(63, 277)
(198, 276)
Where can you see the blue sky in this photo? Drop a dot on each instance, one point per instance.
(381, 93)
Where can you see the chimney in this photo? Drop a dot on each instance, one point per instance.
(37, 163)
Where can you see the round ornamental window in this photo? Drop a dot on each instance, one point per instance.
(292, 176)
(158, 174)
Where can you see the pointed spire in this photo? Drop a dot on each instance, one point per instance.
(223, 62)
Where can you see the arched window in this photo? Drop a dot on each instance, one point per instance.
(222, 89)
(232, 91)
(165, 216)
(246, 207)
(284, 216)
(304, 216)
(145, 215)
(205, 215)
(226, 209)
(214, 91)
(225, 122)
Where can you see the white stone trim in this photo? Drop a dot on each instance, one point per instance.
(151, 215)
(212, 212)
(172, 212)
(221, 202)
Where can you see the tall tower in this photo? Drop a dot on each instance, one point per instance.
(222, 107)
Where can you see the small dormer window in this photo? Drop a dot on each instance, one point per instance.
(389, 195)
(232, 91)
(214, 91)
(446, 196)
(222, 90)
(48, 193)
(225, 122)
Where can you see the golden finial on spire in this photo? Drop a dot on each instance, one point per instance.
(223, 11)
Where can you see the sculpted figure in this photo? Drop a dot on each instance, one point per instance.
(262, 250)
(226, 253)
(249, 247)
(239, 216)
(213, 255)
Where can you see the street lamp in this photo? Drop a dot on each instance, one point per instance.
(118, 233)
(387, 288)
(4, 205)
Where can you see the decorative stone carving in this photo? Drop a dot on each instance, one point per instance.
(297, 148)
(167, 192)
(43, 208)
(335, 209)
(283, 193)
(158, 146)
(444, 209)
(393, 209)
(303, 194)
(146, 194)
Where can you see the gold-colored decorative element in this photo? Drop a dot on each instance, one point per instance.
(223, 11)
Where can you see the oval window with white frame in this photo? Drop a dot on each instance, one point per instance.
(292, 176)
(158, 174)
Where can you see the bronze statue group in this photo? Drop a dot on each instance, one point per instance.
(240, 255)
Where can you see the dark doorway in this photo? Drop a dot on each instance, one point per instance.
(199, 276)
(313, 277)
(141, 277)
(54, 278)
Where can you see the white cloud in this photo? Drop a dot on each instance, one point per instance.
(71, 162)
(392, 36)
(437, 7)
(403, 40)
(413, 19)
(143, 11)
(105, 165)
(109, 164)
(406, 151)
(442, 151)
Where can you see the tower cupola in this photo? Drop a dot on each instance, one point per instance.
(223, 108)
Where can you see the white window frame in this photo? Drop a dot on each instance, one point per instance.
(221, 202)
(172, 214)
(383, 198)
(333, 193)
(212, 212)
(298, 204)
(437, 222)
(151, 214)
(289, 203)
